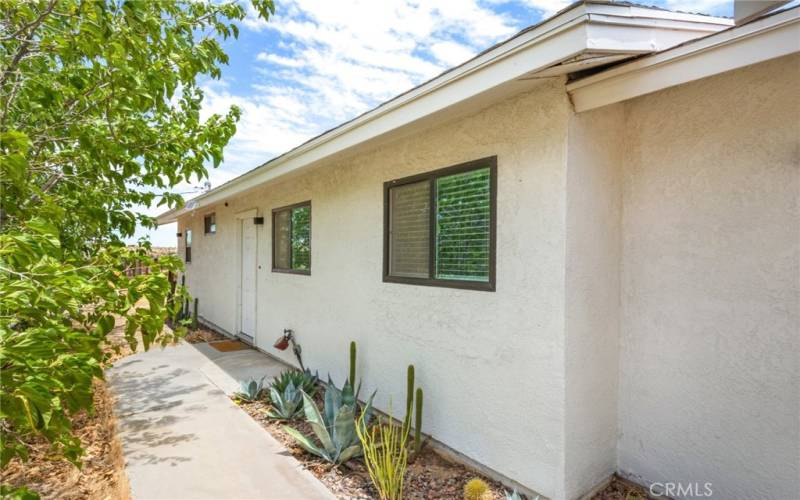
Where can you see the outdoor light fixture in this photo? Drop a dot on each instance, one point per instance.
(178, 234)
(283, 342)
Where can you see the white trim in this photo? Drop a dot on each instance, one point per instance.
(241, 220)
(619, 29)
(767, 38)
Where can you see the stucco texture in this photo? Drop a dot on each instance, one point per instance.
(592, 289)
(710, 339)
(490, 363)
(647, 312)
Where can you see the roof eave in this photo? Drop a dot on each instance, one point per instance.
(617, 29)
(766, 38)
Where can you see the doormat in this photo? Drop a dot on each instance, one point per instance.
(229, 345)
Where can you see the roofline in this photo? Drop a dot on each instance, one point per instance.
(766, 38)
(575, 15)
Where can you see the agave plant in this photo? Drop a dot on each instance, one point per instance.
(285, 405)
(251, 389)
(302, 380)
(335, 426)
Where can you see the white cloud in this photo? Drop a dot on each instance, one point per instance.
(713, 7)
(345, 57)
(269, 125)
(451, 53)
(279, 60)
(326, 62)
(338, 59)
(546, 7)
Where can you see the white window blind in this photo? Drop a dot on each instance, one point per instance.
(282, 234)
(409, 230)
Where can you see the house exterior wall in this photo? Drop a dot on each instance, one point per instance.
(592, 288)
(491, 364)
(647, 309)
(710, 384)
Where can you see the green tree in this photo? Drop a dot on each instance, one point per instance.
(99, 114)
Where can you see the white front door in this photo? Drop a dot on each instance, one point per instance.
(248, 279)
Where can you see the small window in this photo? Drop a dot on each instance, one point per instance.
(210, 223)
(440, 227)
(291, 239)
(188, 245)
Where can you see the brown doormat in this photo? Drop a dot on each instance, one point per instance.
(229, 345)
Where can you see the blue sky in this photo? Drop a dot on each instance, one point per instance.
(317, 63)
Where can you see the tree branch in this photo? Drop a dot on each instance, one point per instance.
(25, 45)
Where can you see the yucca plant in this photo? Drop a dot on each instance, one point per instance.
(303, 380)
(286, 405)
(251, 389)
(334, 427)
(385, 455)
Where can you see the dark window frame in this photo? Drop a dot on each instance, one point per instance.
(305, 272)
(207, 229)
(187, 247)
(490, 285)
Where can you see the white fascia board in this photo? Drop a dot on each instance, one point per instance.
(560, 38)
(758, 41)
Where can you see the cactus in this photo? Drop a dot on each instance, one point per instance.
(418, 422)
(475, 489)
(352, 363)
(409, 395)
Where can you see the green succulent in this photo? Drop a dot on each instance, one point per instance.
(334, 427)
(302, 380)
(286, 405)
(251, 389)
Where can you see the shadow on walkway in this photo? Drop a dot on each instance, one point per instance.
(183, 438)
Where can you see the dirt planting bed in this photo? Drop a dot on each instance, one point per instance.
(429, 475)
(102, 475)
(621, 489)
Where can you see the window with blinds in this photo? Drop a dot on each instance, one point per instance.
(210, 224)
(291, 239)
(188, 246)
(440, 227)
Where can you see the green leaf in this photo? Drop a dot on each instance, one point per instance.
(305, 442)
(317, 423)
(93, 126)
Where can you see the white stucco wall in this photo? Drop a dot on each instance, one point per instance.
(593, 253)
(646, 317)
(490, 363)
(710, 339)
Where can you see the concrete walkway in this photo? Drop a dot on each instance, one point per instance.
(183, 438)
